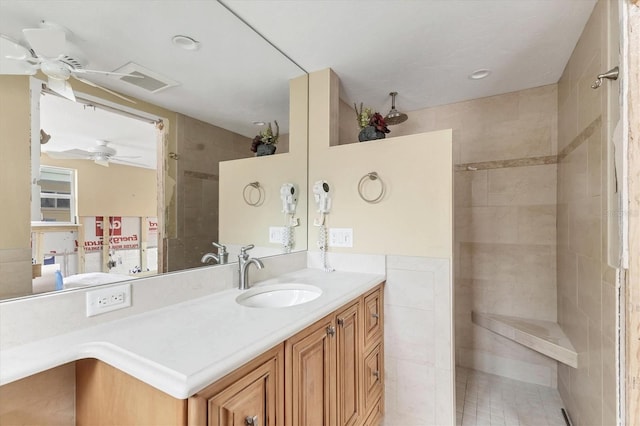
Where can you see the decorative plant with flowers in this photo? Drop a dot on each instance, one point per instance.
(366, 117)
(266, 137)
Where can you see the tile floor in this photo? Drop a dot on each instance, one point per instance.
(484, 399)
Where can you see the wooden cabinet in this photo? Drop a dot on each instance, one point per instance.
(348, 365)
(310, 363)
(108, 396)
(329, 374)
(334, 368)
(250, 396)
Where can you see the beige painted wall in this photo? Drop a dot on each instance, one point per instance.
(415, 216)
(116, 190)
(15, 169)
(241, 224)
(586, 283)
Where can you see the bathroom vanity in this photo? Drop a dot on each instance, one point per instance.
(214, 361)
(329, 373)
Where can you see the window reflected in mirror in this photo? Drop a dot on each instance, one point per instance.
(57, 194)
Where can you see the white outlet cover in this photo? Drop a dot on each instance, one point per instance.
(275, 234)
(107, 299)
(340, 237)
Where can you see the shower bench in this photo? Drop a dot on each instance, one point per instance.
(545, 337)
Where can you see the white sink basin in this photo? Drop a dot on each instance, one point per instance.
(279, 295)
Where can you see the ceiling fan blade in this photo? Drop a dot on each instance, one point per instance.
(13, 58)
(16, 67)
(74, 154)
(47, 42)
(91, 83)
(107, 73)
(61, 87)
(104, 163)
(12, 49)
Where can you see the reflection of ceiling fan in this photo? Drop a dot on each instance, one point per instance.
(101, 154)
(47, 53)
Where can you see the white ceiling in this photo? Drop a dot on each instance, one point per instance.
(424, 49)
(73, 125)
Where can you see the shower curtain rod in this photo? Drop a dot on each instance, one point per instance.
(88, 102)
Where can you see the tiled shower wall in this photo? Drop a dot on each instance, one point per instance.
(200, 147)
(586, 283)
(505, 218)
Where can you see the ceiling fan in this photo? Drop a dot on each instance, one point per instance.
(46, 52)
(101, 154)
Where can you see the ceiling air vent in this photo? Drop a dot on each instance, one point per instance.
(145, 79)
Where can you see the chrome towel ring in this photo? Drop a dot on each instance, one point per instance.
(371, 176)
(249, 190)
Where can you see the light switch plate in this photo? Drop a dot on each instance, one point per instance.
(340, 237)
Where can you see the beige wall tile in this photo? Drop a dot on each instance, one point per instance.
(594, 164)
(537, 224)
(568, 114)
(589, 289)
(590, 101)
(585, 229)
(531, 185)
(487, 224)
(507, 262)
(567, 274)
(470, 188)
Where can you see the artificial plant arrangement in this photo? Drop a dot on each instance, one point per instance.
(371, 123)
(264, 143)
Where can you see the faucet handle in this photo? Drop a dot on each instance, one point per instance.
(245, 249)
(221, 248)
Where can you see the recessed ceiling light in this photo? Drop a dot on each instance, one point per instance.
(479, 74)
(186, 42)
(259, 123)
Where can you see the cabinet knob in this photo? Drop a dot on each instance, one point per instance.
(375, 315)
(331, 331)
(376, 374)
(251, 421)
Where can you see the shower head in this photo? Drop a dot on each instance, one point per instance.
(395, 116)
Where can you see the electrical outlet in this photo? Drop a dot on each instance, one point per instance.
(108, 299)
(275, 234)
(340, 237)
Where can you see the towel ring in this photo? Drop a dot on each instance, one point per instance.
(249, 190)
(371, 176)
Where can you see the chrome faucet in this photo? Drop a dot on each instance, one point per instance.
(243, 263)
(222, 257)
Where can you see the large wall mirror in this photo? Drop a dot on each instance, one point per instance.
(119, 189)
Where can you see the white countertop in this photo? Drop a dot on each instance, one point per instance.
(185, 347)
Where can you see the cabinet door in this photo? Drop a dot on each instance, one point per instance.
(373, 316)
(310, 364)
(348, 356)
(248, 402)
(251, 395)
(373, 377)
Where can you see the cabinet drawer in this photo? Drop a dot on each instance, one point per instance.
(373, 377)
(373, 313)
